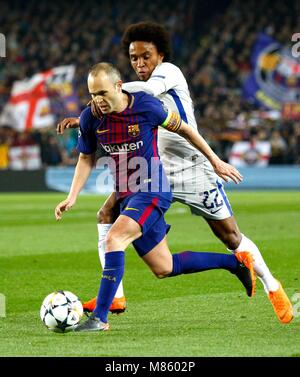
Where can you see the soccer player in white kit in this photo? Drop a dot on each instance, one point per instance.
(195, 178)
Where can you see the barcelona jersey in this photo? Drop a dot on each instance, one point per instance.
(130, 140)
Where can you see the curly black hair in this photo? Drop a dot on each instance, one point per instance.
(148, 31)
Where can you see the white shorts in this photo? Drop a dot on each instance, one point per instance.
(202, 190)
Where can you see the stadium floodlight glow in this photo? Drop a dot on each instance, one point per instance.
(2, 306)
(2, 46)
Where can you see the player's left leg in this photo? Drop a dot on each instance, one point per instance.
(164, 264)
(228, 232)
(154, 250)
(205, 195)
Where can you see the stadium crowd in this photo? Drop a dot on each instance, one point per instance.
(211, 42)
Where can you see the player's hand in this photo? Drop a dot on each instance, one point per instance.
(227, 171)
(67, 123)
(63, 206)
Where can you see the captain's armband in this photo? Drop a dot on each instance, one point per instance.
(172, 122)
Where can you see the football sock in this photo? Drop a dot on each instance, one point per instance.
(188, 262)
(103, 229)
(111, 276)
(261, 269)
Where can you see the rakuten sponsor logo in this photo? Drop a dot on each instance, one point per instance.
(122, 148)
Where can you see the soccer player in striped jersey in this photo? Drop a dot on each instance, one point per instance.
(148, 46)
(127, 129)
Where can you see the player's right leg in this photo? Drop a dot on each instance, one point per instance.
(138, 213)
(206, 197)
(105, 219)
(124, 231)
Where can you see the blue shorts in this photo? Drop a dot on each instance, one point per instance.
(148, 210)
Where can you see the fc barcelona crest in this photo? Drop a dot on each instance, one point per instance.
(133, 130)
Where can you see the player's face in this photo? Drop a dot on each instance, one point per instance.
(144, 58)
(105, 92)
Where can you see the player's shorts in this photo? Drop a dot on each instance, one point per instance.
(202, 190)
(148, 210)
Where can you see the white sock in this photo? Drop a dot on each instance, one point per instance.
(261, 269)
(102, 232)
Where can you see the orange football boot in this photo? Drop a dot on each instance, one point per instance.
(118, 305)
(249, 282)
(90, 305)
(281, 305)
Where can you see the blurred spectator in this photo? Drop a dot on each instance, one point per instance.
(68, 145)
(50, 151)
(22, 139)
(3, 152)
(278, 148)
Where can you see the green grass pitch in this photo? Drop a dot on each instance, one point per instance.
(204, 314)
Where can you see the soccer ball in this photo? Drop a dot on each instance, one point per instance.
(61, 311)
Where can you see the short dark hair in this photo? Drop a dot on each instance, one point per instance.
(148, 31)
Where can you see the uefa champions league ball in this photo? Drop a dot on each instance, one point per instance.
(61, 311)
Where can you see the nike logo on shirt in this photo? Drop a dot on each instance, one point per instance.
(102, 131)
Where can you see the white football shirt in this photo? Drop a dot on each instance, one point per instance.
(189, 172)
(168, 84)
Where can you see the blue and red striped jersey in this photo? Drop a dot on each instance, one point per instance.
(130, 139)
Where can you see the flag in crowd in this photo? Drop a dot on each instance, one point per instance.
(275, 79)
(39, 101)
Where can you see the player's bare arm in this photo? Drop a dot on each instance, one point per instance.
(82, 171)
(154, 88)
(221, 168)
(226, 171)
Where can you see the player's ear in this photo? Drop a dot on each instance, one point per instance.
(160, 57)
(119, 86)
